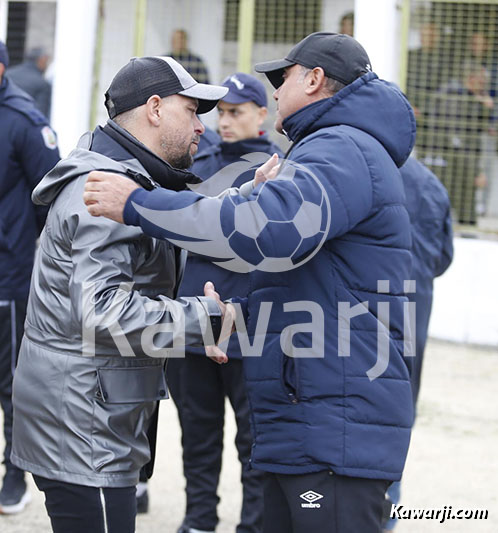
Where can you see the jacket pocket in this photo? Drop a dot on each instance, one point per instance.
(290, 378)
(4, 244)
(131, 384)
(124, 404)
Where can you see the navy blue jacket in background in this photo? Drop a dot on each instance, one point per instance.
(208, 138)
(428, 206)
(198, 269)
(321, 410)
(28, 151)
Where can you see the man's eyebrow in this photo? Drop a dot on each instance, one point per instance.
(233, 108)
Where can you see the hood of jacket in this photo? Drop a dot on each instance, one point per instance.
(111, 148)
(12, 95)
(368, 104)
(80, 161)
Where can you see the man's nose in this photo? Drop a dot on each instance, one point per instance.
(275, 94)
(199, 126)
(223, 121)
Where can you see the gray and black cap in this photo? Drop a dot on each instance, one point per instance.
(144, 77)
(341, 57)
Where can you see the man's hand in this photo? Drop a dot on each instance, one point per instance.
(267, 171)
(227, 327)
(106, 194)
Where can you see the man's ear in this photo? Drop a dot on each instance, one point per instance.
(153, 110)
(262, 114)
(2, 70)
(315, 81)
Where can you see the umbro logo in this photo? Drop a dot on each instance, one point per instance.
(310, 496)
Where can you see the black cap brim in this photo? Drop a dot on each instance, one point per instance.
(274, 70)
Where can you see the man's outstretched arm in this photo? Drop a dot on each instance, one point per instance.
(106, 194)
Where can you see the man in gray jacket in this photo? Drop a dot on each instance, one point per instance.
(85, 417)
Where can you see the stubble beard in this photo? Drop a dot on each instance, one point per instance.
(174, 155)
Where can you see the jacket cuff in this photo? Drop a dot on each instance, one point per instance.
(246, 189)
(130, 214)
(213, 312)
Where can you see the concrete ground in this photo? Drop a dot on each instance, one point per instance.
(453, 457)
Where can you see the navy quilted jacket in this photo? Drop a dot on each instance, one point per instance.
(28, 151)
(319, 409)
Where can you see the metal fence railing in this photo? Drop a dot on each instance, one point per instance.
(452, 84)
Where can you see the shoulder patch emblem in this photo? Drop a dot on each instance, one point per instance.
(49, 137)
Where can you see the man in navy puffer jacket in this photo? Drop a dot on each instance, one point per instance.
(332, 422)
(205, 384)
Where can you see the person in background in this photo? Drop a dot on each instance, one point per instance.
(180, 51)
(208, 138)
(205, 385)
(428, 206)
(481, 51)
(458, 115)
(29, 150)
(346, 24)
(29, 77)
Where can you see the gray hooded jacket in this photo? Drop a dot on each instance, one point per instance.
(100, 322)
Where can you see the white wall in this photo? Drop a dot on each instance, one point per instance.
(4, 10)
(377, 28)
(465, 305)
(117, 46)
(73, 60)
(332, 12)
(40, 26)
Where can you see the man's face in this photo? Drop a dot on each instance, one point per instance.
(42, 63)
(240, 121)
(476, 81)
(347, 27)
(429, 36)
(178, 41)
(180, 130)
(479, 45)
(290, 96)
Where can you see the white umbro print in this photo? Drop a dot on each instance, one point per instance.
(310, 496)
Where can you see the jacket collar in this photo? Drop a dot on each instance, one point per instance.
(301, 123)
(116, 143)
(373, 106)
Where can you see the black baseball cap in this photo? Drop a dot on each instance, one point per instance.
(144, 77)
(341, 57)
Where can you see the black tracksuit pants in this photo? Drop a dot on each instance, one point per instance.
(199, 387)
(79, 509)
(323, 502)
